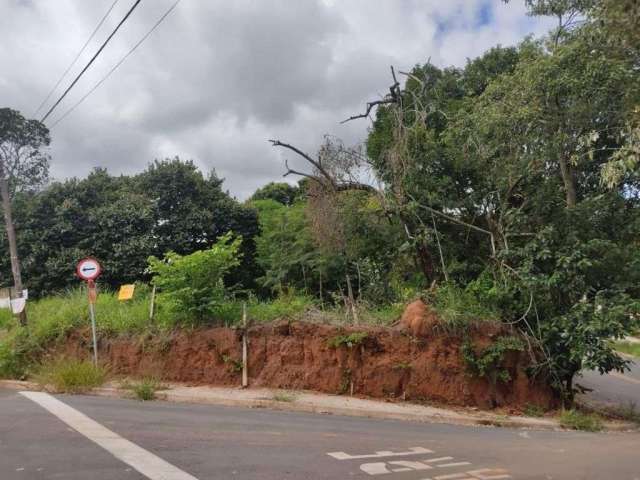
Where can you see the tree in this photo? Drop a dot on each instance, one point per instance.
(23, 166)
(122, 220)
(279, 191)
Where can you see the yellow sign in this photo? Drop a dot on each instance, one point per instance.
(126, 292)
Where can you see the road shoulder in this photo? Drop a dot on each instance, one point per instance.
(311, 402)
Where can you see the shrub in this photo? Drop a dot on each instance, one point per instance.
(283, 397)
(577, 420)
(145, 389)
(70, 375)
(489, 362)
(191, 286)
(350, 341)
(458, 308)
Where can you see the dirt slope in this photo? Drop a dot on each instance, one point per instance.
(389, 363)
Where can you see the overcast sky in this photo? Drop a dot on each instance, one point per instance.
(219, 78)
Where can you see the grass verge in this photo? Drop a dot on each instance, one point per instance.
(577, 420)
(629, 348)
(66, 375)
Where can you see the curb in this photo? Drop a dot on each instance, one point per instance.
(439, 415)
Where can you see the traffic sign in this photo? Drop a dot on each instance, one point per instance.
(126, 292)
(88, 269)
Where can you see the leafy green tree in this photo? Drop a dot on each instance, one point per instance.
(123, 220)
(280, 192)
(499, 170)
(191, 287)
(24, 166)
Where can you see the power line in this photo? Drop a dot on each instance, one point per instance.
(115, 67)
(92, 60)
(75, 59)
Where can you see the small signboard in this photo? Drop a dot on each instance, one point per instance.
(126, 292)
(88, 269)
(8, 296)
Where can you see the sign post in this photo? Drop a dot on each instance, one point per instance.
(88, 269)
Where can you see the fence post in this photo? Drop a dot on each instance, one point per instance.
(245, 333)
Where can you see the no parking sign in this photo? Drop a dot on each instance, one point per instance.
(88, 269)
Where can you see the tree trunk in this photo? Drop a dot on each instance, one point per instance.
(569, 182)
(11, 237)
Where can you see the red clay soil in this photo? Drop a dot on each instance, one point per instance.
(413, 361)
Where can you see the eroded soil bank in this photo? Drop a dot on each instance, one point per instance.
(387, 363)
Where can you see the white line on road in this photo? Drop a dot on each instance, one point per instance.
(145, 462)
(384, 453)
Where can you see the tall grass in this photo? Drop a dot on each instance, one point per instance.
(70, 375)
(460, 308)
(51, 318)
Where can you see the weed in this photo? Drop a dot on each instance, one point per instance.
(283, 397)
(146, 389)
(70, 375)
(345, 383)
(350, 341)
(577, 420)
(488, 363)
(234, 365)
(531, 410)
(403, 366)
(460, 308)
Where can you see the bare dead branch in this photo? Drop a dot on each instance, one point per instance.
(392, 97)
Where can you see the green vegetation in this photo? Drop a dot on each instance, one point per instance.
(628, 347)
(349, 341)
(70, 376)
(489, 362)
(577, 420)
(283, 397)
(144, 389)
(506, 191)
(531, 410)
(235, 365)
(192, 286)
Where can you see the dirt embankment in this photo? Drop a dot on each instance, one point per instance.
(413, 361)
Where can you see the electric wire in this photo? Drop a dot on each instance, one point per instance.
(91, 61)
(73, 62)
(115, 67)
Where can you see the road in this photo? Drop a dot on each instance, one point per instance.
(614, 388)
(179, 441)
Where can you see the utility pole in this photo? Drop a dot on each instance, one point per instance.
(11, 237)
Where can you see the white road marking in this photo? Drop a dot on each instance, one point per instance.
(490, 474)
(381, 454)
(378, 468)
(453, 476)
(439, 459)
(455, 464)
(410, 465)
(145, 462)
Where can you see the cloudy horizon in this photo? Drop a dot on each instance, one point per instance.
(218, 79)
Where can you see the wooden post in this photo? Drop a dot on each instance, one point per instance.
(152, 303)
(245, 367)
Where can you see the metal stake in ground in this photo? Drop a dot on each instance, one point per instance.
(89, 269)
(93, 295)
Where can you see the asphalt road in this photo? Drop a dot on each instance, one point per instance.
(614, 388)
(209, 442)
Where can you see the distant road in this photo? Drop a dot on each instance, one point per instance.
(81, 437)
(614, 388)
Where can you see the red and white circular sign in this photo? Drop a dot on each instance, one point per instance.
(88, 269)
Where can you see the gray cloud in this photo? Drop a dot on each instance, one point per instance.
(219, 78)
